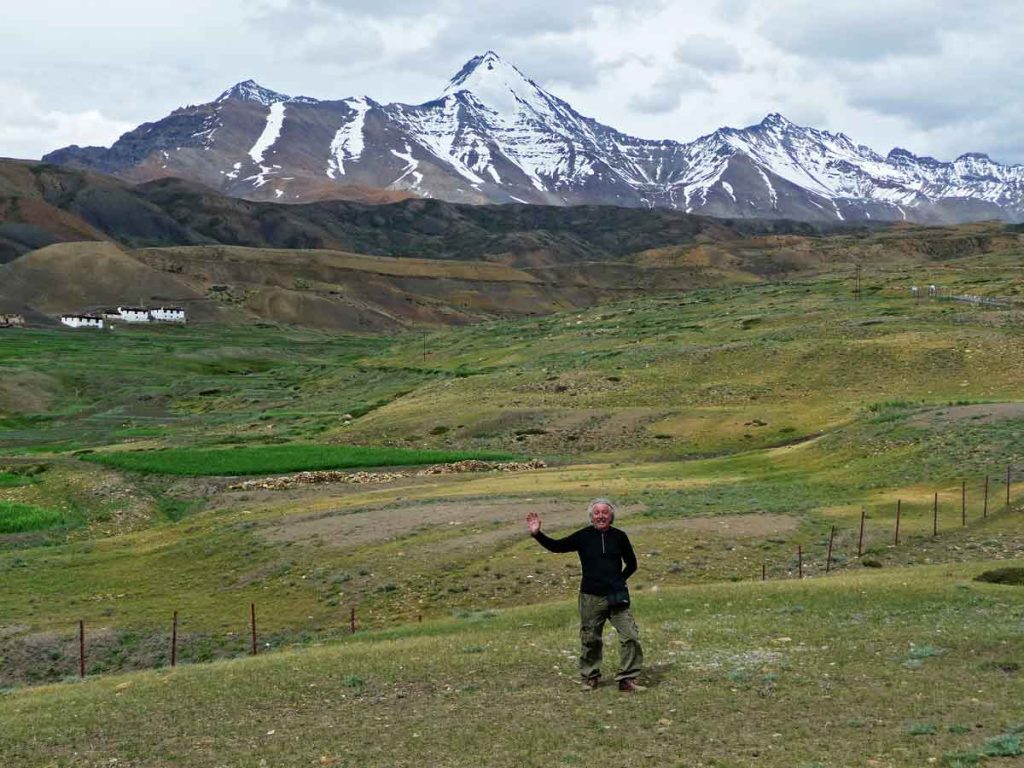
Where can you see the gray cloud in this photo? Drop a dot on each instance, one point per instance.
(936, 76)
(709, 54)
(852, 30)
(667, 93)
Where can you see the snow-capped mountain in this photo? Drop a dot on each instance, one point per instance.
(493, 135)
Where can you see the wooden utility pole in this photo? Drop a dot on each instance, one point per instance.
(899, 505)
(252, 613)
(860, 539)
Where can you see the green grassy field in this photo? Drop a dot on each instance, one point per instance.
(731, 425)
(910, 666)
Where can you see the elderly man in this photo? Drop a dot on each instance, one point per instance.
(608, 560)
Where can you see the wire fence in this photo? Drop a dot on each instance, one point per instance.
(891, 532)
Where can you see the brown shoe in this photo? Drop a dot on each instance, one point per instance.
(627, 685)
(590, 683)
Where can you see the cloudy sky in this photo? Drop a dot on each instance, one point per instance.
(937, 77)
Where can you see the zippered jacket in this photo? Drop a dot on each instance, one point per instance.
(602, 556)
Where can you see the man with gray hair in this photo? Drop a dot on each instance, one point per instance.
(608, 560)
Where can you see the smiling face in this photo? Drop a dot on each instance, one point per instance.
(601, 516)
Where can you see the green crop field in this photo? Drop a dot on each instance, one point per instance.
(254, 460)
(742, 431)
(18, 518)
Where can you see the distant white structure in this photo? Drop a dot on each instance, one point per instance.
(933, 290)
(82, 321)
(134, 314)
(168, 314)
(126, 315)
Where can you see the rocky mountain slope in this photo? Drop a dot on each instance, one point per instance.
(41, 204)
(495, 136)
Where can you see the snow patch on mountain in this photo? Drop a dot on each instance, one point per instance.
(348, 142)
(272, 129)
(410, 170)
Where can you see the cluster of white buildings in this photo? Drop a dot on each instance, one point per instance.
(126, 315)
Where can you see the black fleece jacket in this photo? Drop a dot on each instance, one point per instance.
(602, 556)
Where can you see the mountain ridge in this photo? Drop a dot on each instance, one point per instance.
(493, 135)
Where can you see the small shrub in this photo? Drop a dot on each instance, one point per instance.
(1006, 745)
(961, 759)
(1012, 576)
(922, 729)
(923, 652)
(352, 681)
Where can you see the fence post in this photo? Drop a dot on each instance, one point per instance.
(352, 619)
(252, 614)
(899, 504)
(764, 572)
(174, 639)
(81, 648)
(1007, 485)
(984, 512)
(800, 560)
(860, 539)
(963, 502)
(828, 558)
(935, 515)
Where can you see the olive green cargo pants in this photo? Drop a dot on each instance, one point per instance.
(594, 612)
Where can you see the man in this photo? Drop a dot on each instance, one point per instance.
(608, 560)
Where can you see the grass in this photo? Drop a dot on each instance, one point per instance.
(9, 480)
(732, 673)
(21, 518)
(731, 425)
(257, 460)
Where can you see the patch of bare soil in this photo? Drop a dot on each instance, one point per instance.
(25, 391)
(742, 526)
(502, 518)
(985, 413)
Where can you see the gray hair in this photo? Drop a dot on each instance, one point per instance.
(601, 500)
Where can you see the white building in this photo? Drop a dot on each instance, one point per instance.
(168, 314)
(134, 314)
(82, 321)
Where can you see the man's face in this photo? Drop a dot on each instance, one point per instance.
(602, 517)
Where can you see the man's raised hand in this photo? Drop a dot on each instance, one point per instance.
(533, 523)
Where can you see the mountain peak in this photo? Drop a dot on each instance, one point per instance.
(980, 156)
(495, 83)
(489, 61)
(775, 120)
(250, 90)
